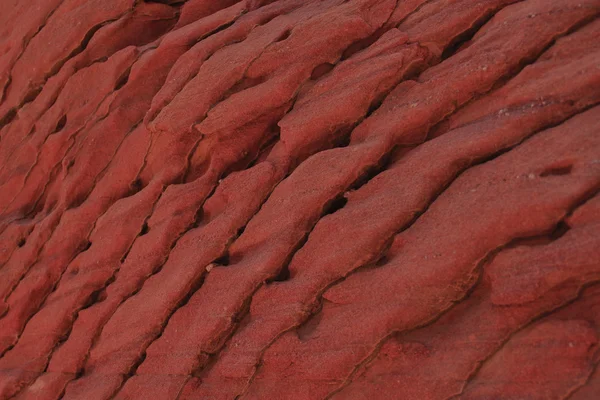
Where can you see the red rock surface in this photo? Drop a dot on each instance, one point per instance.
(300, 199)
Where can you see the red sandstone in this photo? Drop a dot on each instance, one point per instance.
(299, 199)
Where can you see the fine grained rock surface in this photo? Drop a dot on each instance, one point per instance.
(300, 199)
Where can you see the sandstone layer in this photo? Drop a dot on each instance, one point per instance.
(300, 199)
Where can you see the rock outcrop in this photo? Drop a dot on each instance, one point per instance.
(300, 199)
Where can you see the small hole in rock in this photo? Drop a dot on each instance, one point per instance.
(374, 106)
(561, 228)
(136, 186)
(362, 44)
(321, 70)
(101, 296)
(382, 261)
(21, 242)
(199, 218)
(77, 201)
(223, 260)
(69, 164)
(557, 171)
(241, 230)
(336, 204)
(60, 124)
(32, 94)
(145, 229)
(8, 117)
(284, 36)
(87, 246)
(122, 80)
(283, 275)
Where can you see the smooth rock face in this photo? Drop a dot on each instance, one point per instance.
(300, 199)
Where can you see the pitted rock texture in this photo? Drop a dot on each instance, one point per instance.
(300, 199)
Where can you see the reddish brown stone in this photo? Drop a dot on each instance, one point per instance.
(299, 199)
(440, 358)
(427, 276)
(380, 208)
